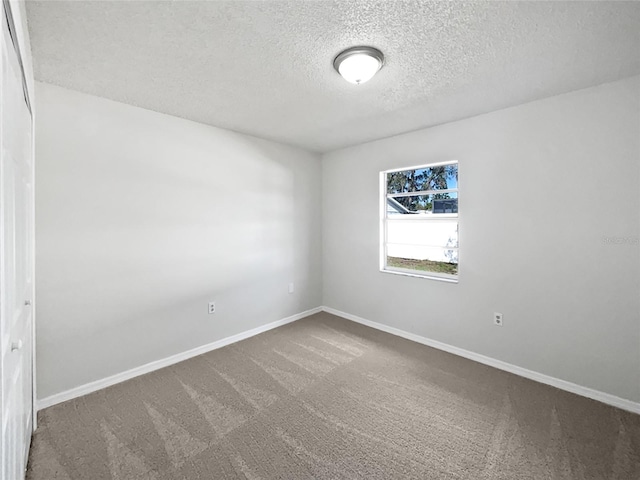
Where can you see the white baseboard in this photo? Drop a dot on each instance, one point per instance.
(603, 397)
(165, 362)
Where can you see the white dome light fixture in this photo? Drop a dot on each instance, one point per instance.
(358, 64)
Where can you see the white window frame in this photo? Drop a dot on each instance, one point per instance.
(445, 277)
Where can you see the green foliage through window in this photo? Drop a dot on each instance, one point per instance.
(421, 220)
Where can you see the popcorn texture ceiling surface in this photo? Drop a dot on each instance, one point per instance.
(265, 67)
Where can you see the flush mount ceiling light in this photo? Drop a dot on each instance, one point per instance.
(358, 64)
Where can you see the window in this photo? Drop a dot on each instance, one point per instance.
(419, 228)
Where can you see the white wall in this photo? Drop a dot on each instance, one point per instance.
(541, 186)
(142, 218)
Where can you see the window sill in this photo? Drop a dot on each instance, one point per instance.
(408, 273)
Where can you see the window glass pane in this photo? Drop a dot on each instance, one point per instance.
(423, 259)
(432, 178)
(441, 233)
(423, 204)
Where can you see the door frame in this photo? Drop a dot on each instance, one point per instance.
(15, 17)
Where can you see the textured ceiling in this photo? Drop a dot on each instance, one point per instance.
(265, 67)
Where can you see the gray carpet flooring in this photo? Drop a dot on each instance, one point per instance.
(325, 398)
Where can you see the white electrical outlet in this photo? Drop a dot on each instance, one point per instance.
(212, 307)
(291, 287)
(497, 319)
